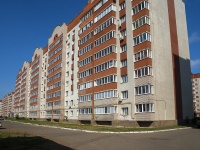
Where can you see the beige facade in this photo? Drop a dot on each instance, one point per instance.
(115, 61)
(36, 81)
(22, 90)
(55, 99)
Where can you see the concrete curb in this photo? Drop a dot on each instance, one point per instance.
(88, 131)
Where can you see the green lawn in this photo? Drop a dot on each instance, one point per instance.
(93, 128)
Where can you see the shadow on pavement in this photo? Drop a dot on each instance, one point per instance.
(31, 143)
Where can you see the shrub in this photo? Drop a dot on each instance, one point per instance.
(17, 117)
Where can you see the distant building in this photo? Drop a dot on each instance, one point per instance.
(1, 107)
(196, 93)
(8, 105)
(22, 91)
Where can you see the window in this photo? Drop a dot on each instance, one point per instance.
(142, 55)
(104, 25)
(85, 85)
(141, 72)
(72, 113)
(123, 33)
(68, 45)
(140, 108)
(99, 4)
(56, 103)
(140, 22)
(140, 6)
(58, 93)
(123, 19)
(105, 80)
(71, 103)
(104, 12)
(124, 63)
(66, 113)
(66, 103)
(142, 38)
(122, 6)
(85, 98)
(83, 111)
(85, 61)
(104, 66)
(104, 38)
(86, 38)
(68, 55)
(125, 111)
(85, 49)
(85, 73)
(124, 94)
(104, 52)
(146, 89)
(124, 79)
(123, 48)
(105, 94)
(105, 110)
(67, 73)
(87, 15)
(87, 26)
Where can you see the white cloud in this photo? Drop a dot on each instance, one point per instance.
(195, 37)
(195, 63)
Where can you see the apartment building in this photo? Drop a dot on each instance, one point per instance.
(124, 61)
(7, 105)
(196, 93)
(38, 68)
(133, 61)
(22, 90)
(56, 73)
(1, 108)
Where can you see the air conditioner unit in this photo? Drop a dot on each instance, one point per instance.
(119, 24)
(119, 100)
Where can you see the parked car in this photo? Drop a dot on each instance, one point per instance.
(1, 118)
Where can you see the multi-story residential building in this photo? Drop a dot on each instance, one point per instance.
(56, 73)
(134, 61)
(37, 95)
(115, 61)
(196, 93)
(1, 108)
(22, 90)
(7, 105)
(42, 108)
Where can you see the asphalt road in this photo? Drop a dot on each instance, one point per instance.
(185, 139)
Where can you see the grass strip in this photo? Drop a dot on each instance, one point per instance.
(94, 128)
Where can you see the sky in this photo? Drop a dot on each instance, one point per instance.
(27, 24)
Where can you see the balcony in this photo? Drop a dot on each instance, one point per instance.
(55, 116)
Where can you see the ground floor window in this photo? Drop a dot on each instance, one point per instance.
(148, 107)
(125, 111)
